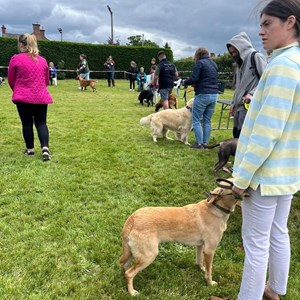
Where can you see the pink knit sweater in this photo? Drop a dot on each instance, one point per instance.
(28, 79)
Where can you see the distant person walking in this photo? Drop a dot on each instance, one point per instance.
(28, 77)
(83, 67)
(164, 75)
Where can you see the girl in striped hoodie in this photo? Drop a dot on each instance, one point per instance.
(267, 162)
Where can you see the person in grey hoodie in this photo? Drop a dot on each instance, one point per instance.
(240, 48)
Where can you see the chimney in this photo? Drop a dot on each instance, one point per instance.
(3, 29)
(36, 28)
(42, 33)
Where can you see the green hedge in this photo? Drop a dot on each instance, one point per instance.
(66, 55)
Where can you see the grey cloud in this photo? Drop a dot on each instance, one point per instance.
(185, 25)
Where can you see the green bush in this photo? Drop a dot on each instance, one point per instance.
(69, 52)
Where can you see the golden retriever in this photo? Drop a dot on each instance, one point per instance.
(201, 225)
(179, 121)
(85, 83)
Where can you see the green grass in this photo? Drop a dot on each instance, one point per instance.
(61, 221)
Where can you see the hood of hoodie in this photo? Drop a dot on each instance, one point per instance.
(242, 43)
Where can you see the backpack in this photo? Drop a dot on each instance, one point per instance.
(253, 65)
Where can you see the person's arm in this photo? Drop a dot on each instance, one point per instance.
(195, 75)
(260, 64)
(47, 74)
(274, 104)
(156, 76)
(11, 76)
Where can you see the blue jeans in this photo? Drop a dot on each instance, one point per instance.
(85, 76)
(203, 109)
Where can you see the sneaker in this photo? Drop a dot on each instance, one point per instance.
(46, 154)
(197, 146)
(26, 152)
(130, 90)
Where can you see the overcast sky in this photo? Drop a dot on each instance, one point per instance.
(186, 25)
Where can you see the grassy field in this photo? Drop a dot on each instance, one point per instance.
(61, 221)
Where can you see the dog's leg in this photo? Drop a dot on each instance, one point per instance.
(208, 260)
(126, 257)
(145, 253)
(185, 138)
(200, 257)
(156, 129)
(165, 134)
(223, 159)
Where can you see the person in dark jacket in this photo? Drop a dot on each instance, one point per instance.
(132, 73)
(205, 81)
(165, 73)
(110, 71)
(83, 69)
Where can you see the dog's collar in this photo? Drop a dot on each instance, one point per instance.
(226, 211)
(189, 108)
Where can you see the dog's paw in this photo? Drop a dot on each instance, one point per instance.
(212, 283)
(134, 293)
(201, 267)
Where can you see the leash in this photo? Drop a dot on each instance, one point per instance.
(189, 108)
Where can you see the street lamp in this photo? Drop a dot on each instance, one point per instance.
(60, 31)
(143, 39)
(111, 24)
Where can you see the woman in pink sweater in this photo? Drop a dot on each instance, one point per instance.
(28, 76)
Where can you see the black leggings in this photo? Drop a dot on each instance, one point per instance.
(34, 114)
(132, 83)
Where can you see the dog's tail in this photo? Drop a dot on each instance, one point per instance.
(212, 146)
(146, 120)
(126, 256)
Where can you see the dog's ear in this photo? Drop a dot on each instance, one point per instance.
(213, 195)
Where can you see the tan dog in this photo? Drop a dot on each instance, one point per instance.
(179, 121)
(85, 83)
(201, 225)
(172, 102)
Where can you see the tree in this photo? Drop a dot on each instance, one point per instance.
(116, 42)
(138, 40)
(166, 46)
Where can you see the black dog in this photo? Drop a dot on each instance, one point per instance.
(146, 95)
(227, 148)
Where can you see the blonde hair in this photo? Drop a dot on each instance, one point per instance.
(28, 43)
(200, 52)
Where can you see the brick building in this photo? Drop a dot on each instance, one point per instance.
(38, 31)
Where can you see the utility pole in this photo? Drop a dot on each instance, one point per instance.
(111, 24)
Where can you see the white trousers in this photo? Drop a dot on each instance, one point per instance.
(266, 243)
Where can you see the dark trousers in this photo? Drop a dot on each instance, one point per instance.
(110, 78)
(34, 114)
(132, 83)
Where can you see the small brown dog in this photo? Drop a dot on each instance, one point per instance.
(201, 225)
(172, 102)
(85, 83)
